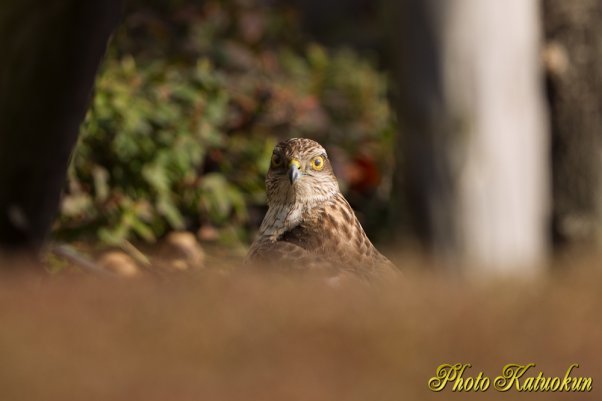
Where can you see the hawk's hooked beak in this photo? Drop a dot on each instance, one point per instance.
(293, 171)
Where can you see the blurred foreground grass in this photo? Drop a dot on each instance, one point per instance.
(216, 336)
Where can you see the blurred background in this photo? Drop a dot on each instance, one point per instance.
(188, 105)
(134, 141)
(467, 133)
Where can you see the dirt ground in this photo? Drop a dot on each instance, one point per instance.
(215, 336)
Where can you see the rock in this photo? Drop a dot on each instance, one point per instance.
(119, 263)
(183, 251)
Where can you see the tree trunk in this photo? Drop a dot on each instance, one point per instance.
(474, 135)
(573, 60)
(50, 53)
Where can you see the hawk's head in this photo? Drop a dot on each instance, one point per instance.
(300, 172)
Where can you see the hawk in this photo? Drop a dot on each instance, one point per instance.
(309, 224)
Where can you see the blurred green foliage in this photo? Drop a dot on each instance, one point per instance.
(186, 112)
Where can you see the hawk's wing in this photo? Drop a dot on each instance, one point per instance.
(289, 251)
(329, 238)
(338, 251)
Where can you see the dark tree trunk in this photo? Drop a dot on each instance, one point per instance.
(50, 53)
(573, 60)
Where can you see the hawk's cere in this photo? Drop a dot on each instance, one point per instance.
(309, 224)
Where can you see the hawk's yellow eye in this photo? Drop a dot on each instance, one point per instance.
(276, 160)
(317, 163)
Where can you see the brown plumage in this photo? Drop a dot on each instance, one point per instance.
(309, 224)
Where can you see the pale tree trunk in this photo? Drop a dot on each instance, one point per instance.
(474, 141)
